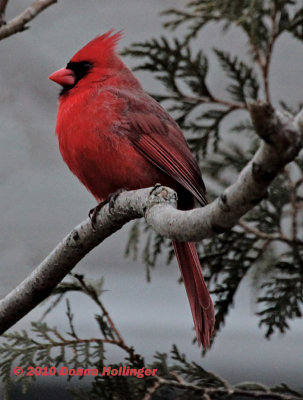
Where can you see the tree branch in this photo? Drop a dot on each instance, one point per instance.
(18, 24)
(118, 341)
(3, 5)
(264, 236)
(282, 141)
(245, 390)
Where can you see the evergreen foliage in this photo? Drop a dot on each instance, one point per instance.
(175, 378)
(273, 227)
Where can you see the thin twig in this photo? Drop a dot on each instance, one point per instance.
(266, 65)
(65, 343)
(219, 392)
(293, 202)
(298, 183)
(19, 23)
(151, 390)
(120, 341)
(208, 99)
(232, 105)
(265, 236)
(264, 62)
(3, 5)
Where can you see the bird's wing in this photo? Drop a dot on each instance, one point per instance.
(157, 136)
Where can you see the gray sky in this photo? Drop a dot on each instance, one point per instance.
(40, 200)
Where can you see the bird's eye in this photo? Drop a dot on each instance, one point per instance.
(87, 65)
(81, 69)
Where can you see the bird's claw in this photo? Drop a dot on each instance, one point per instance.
(94, 212)
(111, 205)
(112, 198)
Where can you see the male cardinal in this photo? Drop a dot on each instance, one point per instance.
(114, 136)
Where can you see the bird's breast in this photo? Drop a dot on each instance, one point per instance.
(94, 143)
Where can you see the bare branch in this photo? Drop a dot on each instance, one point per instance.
(264, 236)
(19, 23)
(282, 141)
(255, 391)
(3, 5)
(264, 62)
(119, 341)
(40, 283)
(232, 105)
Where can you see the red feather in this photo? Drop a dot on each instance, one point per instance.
(113, 136)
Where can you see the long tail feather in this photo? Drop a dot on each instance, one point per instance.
(199, 298)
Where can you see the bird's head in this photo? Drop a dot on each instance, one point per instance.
(93, 63)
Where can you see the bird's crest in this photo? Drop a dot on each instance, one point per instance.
(101, 48)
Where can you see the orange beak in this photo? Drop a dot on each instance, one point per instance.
(64, 77)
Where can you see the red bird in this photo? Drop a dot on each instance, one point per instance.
(113, 135)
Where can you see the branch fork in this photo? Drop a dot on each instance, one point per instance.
(19, 23)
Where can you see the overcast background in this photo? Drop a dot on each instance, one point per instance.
(41, 201)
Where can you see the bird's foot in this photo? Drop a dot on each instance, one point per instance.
(95, 211)
(111, 198)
